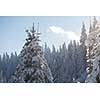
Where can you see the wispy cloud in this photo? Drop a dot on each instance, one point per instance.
(62, 32)
(56, 29)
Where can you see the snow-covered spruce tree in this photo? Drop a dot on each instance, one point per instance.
(82, 59)
(79, 58)
(93, 45)
(90, 28)
(83, 35)
(33, 67)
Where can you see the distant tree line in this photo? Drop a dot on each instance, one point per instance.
(8, 64)
(68, 63)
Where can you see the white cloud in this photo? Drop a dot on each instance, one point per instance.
(56, 29)
(70, 35)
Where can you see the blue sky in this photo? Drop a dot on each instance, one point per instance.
(55, 30)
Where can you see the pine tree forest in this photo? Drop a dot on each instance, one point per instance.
(75, 62)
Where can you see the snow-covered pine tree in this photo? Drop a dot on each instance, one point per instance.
(33, 67)
(81, 62)
(83, 35)
(94, 23)
(93, 45)
(83, 53)
(89, 47)
(90, 28)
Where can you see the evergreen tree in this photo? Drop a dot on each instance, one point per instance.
(94, 22)
(1, 77)
(47, 54)
(82, 53)
(81, 64)
(4, 68)
(83, 35)
(33, 66)
(93, 45)
(90, 28)
(70, 62)
(12, 65)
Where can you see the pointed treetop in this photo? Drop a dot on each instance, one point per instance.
(38, 28)
(64, 45)
(83, 34)
(95, 19)
(53, 48)
(94, 22)
(83, 28)
(90, 28)
(83, 24)
(33, 28)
